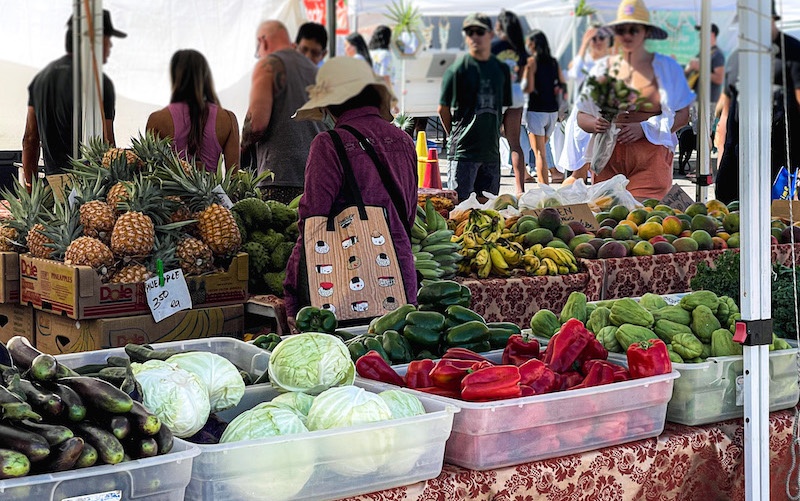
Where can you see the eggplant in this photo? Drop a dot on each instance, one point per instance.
(5, 356)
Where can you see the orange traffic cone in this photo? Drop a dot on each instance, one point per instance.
(433, 179)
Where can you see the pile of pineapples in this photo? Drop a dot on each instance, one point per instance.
(127, 210)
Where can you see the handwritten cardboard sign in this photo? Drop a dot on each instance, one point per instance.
(170, 298)
(780, 209)
(574, 212)
(677, 198)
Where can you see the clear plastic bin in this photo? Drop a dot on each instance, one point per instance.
(508, 432)
(246, 356)
(161, 477)
(321, 465)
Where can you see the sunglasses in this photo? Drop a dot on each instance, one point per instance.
(633, 30)
(598, 38)
(474, 31)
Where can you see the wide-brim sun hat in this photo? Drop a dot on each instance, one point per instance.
(340, 79)
(635, 12)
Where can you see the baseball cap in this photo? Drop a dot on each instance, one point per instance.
(714, 29)
(108, 26)
(477, 20)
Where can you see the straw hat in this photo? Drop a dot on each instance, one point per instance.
(635, 12)
(340, 79)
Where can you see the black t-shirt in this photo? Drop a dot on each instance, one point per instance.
(506, 53)
(50, 94)
(543, 97)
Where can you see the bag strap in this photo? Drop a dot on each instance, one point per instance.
(349, 183)
(386, 178)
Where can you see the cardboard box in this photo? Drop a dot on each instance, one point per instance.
(77, 292)
(56, 334)
(9, 277)
(16, 320)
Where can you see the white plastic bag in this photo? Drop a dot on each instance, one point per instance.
(611, 192)
(575, 193)
(543, 195)
(601, 146)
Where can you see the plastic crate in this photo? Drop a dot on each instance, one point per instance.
(508, 432)
(162, 477)
(309, 466)
(713, 390)
(246, 356)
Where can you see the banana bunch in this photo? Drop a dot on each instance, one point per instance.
(435, 255)
(551, 261)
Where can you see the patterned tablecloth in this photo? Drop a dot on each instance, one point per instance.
(703, 463)
(660, 274)
(516, 299)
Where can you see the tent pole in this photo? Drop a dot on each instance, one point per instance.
(754, 193)
(330, 25)
(77, 57)
(92, 72)
(703, 129)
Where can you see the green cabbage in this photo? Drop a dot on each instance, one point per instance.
(296, 400)
(344, 406)
(225, 384)
(311, 363)
(177, 397)
(402, 404)
(295, 459)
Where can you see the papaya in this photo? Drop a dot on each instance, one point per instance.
(673, 313)
(628, 311)
(628, 334)
(695, 299)
(652, 302)
(598, 319)
(544, 323)
(704, 323)
(666, 329)
(575, 307)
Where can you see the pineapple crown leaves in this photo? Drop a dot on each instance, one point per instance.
(243, 183)
(27, 209)
(195, 187)
(151, 149)
(88, 188)
(94, 149)
(164, 250)
(62, 228)
(404, 14)
(145, 196)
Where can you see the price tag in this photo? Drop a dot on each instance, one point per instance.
(223, 197)
(170, 298)
(677, 198)
(100, 496)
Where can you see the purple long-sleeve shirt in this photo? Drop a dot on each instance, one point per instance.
(323, 182)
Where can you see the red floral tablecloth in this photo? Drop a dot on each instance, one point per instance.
(660, 274)
(684, 463)
(438, 192)
(516, 299)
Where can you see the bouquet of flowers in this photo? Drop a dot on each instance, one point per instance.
(612, 96)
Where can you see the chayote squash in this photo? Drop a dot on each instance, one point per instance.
(695, 299)
(704, 323)
(674, 357)
(544, 323)
(608, 339)
(652, 302)
(599, 318)
(628, 311)
(779, 343)
(723, 345)
(723, 312)
(687, 346)
(628, 334)
(590, 307)
(673, 313)
(666, 329)
(574, 308)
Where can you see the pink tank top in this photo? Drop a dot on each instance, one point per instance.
(210, 149)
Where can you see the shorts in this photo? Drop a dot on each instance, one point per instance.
(467, 177)
(542, 123)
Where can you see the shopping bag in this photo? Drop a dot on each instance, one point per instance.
(602, 145)
(785, 184)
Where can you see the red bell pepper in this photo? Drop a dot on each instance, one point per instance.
(464, 354)
(491, 383)
(442, 392)
(527, 391)
(519, 349)
(594, 349)
(648, 358)
(448, 372)
(618, 369)
(599, 374)
(538, 376)
(418, 374)
(373, 366)
(570, 379)
(567, 345)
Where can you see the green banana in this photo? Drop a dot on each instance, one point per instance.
(438, 236)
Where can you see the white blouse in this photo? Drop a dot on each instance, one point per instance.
(674, 93)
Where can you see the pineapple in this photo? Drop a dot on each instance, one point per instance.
(8, 237)
(93, 151)
(131, 273)
(26, 210)
(96, 216)
(51, 239)
(114, 153)
(215, 224)
(88, 251)
(164, 251)
(134, 231)
(39, 245)
(195, 257)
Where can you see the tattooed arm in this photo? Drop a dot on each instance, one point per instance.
(269, 80)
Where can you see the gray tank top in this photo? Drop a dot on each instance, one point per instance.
(284, 148)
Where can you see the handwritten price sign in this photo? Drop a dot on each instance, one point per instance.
(170, 298)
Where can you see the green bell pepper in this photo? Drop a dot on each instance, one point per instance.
(424, 328)
(499, 332)
(467, 333)
(687, 346)
(457, 315)
(311, 319)
(267, 342)
(396, 347)
(371, 343)
(438, 291)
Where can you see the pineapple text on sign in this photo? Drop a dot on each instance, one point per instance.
(170, 298)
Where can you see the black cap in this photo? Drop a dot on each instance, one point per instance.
(108, 26)
(714, 29)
